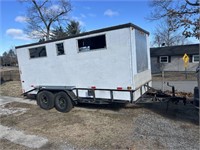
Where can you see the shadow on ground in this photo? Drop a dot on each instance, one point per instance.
(178, 112)
(113, 106)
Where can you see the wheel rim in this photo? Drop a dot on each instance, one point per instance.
(61, 102)
(44, 99)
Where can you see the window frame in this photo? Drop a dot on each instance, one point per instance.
(193, 61)
(39, 56)
(162, 57)
(57, 48)
(91, 49)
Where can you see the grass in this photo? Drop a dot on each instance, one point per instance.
(11, 88)
(175, 76)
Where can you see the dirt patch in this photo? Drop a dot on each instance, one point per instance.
(11, 88)
(130, 127)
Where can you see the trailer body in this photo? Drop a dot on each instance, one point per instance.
(121, 60)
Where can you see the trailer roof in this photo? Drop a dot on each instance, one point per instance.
(88, 33)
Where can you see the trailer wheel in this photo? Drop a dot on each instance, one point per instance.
(63, 102)
(45, 100)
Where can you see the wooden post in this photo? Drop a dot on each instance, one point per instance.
(185, 73)
(163, 80)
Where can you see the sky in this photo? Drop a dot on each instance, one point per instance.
(91, 14)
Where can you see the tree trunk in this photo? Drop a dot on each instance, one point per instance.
(48, 34)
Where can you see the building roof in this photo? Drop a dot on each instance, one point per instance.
(191, 49)
(88, 33)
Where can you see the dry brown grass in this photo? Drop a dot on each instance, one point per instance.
(11, 88)
(130, 127)
(84, 128)
(2, 69)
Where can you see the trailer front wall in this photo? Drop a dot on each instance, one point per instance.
(140, 61)
(104, 68)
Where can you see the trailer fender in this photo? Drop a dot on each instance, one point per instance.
(72, 96)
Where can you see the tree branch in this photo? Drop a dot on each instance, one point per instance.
(193, 4)
(40, 13)
(43, 4)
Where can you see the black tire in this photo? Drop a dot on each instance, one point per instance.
(45, 99)
(63, 102)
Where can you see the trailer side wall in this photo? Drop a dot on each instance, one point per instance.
(104, 68)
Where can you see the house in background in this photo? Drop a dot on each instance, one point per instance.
(171, 58)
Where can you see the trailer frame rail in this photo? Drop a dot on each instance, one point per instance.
(93, 98)
(111, 91)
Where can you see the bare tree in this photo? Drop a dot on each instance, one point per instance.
(165, 36)
(183, 15)
(44, 14)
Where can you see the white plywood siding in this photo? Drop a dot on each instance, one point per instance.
(103, 68)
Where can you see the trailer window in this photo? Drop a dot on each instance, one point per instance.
(92, 43)
(60, 49)
(141, 51)
(37, 52)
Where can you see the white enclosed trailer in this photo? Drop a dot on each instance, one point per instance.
(107, 64)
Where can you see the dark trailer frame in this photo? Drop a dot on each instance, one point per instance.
(63, 98)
